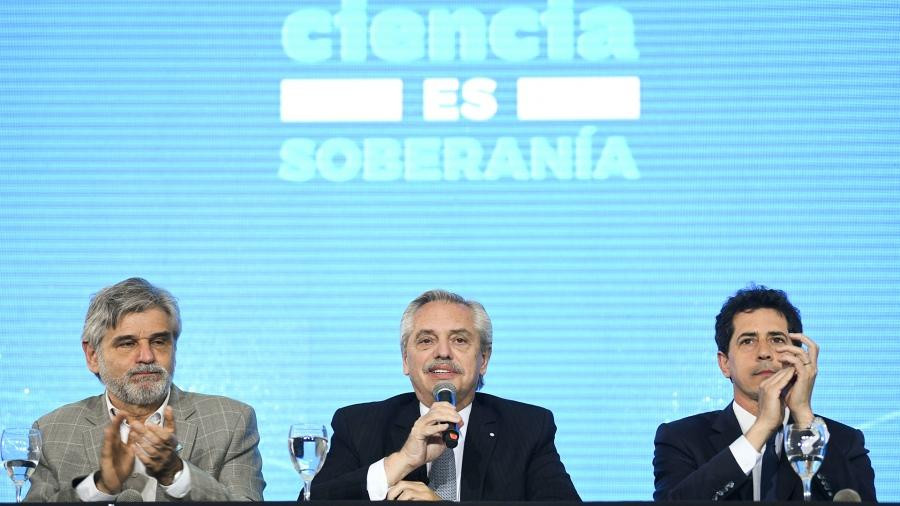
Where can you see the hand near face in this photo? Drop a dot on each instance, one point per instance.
(771, 399)
(424, 443)
(116, 459)
(771, 408)
(156, 447)
(804, 364)
(411, 491)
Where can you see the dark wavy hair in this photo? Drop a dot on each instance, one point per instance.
(749, 299)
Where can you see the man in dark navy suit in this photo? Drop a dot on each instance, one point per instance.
(393, 449)
(721, 455)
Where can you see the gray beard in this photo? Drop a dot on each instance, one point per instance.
(144, 393)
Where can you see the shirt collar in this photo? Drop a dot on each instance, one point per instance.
(155, 418)
(746, 419)
(464, 413)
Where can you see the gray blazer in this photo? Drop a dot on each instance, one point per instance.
(219, 443)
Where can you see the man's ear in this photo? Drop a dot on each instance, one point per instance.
(485, 357)
(405, 365)
(91, 357)
(723, 365)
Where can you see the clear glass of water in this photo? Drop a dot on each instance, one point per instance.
(21, 451)
(308, 444)
(805, 449)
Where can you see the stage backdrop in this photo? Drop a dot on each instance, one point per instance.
(600, 175)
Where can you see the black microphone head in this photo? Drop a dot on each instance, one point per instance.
(445, 391)
(129, 495)
(847, 495)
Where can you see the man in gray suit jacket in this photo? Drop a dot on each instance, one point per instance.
(144, 435)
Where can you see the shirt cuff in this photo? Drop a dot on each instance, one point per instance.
(88, 492)
(181, 484)
(745, 454)
(376, 481)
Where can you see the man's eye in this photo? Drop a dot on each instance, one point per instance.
(746, 340)
(779, 340)
(126, 344)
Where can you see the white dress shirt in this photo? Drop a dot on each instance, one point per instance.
(745, 454)
(376, 478)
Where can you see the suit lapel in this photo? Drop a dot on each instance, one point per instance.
(725, 430)
(481, 437)
(185, 427)
(98, 418)
(403, 422)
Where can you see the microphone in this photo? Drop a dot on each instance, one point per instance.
(847, 495)
(446, 392)
(129, 495)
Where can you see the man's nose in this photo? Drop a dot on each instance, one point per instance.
(443, 348)
(765, 350)
(145, 352)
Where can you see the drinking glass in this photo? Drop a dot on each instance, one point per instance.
(308, 444)
(805, 449)
(20, 450)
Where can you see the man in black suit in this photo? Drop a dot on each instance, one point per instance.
(393, 449)
(722, 455)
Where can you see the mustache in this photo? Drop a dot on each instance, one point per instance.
(147, 368)
(443, 364)
(767, 367)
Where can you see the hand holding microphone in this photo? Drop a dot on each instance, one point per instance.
(427, 439)
(446, 392)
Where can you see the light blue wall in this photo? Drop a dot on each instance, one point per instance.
(145, 139)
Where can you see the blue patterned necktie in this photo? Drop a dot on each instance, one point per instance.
(443, 476)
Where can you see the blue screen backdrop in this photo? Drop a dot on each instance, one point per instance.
(600, 175)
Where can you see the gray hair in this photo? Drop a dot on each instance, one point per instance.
(479, 315)
(134, 295)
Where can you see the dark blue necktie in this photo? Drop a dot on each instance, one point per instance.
(768, 474)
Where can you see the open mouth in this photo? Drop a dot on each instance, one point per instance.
(443, 371)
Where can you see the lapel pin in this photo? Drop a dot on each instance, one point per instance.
(491, 434)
